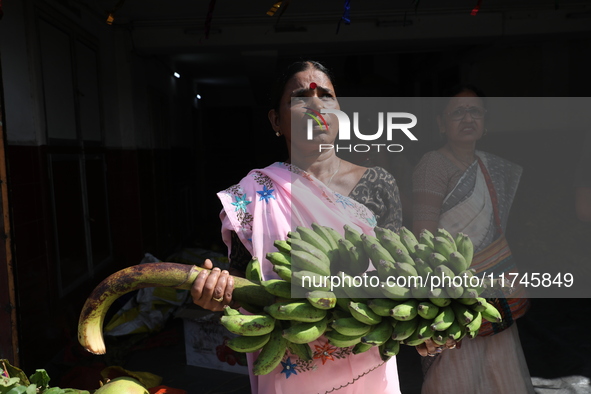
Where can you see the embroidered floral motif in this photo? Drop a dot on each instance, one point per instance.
(345, 201)
(266, 194)
(263, 179)
(241, 203)
(324, 352)
(372, 221)
(288, 368)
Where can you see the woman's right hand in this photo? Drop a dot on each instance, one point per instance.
(213, 288)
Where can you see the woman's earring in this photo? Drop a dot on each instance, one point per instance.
(278, 133)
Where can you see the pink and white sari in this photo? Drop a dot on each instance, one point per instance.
(264, 207)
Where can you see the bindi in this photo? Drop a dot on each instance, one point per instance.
(313, 85)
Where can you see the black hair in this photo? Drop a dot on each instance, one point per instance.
(289, 72)
(457, 89)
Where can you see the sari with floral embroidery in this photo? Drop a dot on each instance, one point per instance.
(264, 207)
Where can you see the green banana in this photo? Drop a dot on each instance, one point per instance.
(491, 313)
(406, 310)
(474, 325)
(375, 251)
(382, 231)
(323, 232)
(282, 245)
(457, 262)
(465, 247)
(443, 246)
(230, 311)
(363, 313)
(426, 238)
(244, 344)
(455, 331)
(379, 334)
(382, 306)
(248, 325)
(348, 289)
(307, 234)
(293, 235)
(406, 269)
(254, 271)
(404, 329)
(392, 245)
(391, 347)
(469, 296)
(361, 348)
(414, 339)
(284, 272)
(444, 319)
(441, 232)
(350, 326)
(310, 280)
(302, 350)
(408, 239)
(322, 299)
(436, 259)
(385, 269)
(271, 354)
(279, 258)
(340, 340)
(447, 278)
(419, 292)
(423, 268)
(352, 235)
(438, 338)
(424, 329)
(333, 233)
(303, 261)
(427, 310)
(423, 251)
(277, 287)
(463, 313)
(397, 293)
(305, 332)
(402, 257)
(307, 247)
(439, 297)
(345, 260)
(297, 310)
(359, 260)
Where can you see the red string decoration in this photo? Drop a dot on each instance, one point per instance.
(476, 9)
(209, 18)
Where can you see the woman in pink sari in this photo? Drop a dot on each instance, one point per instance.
(312, 186)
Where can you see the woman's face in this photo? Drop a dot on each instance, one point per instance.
(462, 120)
(312, 91)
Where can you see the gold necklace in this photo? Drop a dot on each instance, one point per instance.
(332, 176)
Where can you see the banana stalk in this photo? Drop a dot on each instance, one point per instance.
(179, 276)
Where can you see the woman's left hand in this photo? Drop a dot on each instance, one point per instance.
(430, 348)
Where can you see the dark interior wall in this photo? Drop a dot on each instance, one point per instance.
(541, 66)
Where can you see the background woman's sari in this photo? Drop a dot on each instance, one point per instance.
(485, 364)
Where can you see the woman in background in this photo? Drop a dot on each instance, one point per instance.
(461, 189)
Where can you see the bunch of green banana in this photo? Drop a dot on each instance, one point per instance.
(348, 316)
